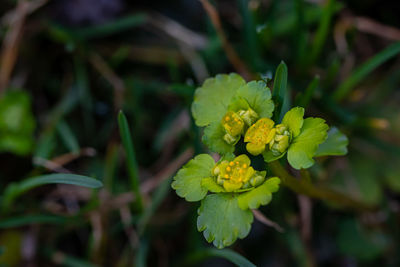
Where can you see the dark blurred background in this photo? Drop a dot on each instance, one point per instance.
(68, 66)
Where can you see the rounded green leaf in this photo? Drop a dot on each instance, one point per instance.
(213, 138)
(258, 96)
(260, 195)
(293, 119)
(213, 97)
(222, 221)
(302, 149)
(187, 182)
(334, 145)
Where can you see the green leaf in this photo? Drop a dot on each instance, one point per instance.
(222, 220)
(269, 157)
(258, 95)
(213, 97)
(279, 89)
(232, 256)
(364, 244)
(213, 138)
(14, 190)
(16, 123)
(260, 195)
(302, 149)
(334, 145)
(364, 70)
(198, 256)
(293, 119)
(187, 181)
(210, 184)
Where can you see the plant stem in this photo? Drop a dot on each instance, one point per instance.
(304, 187)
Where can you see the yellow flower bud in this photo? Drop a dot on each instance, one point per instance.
(248, 116)
(280, 143)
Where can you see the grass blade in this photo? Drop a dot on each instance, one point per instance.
(157, 198)
(279, 89)
(305, 99)
(68, 136)
(14, 190)
(322, 31)
(112, 27)
(130, 158)
(362, 71)
(31, 219)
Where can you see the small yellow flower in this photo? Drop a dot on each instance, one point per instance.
(233, 125)
(259, 135)
(236, 174)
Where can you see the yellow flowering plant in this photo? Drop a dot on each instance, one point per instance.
(234, 112)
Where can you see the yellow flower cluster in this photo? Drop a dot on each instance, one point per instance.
(258, 135)
(237, 174)
(235, 123)
(262, 133)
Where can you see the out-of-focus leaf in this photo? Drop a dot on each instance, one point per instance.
(14, 190)
(322, 32)
(369, 189)
(357, 242)
(230, 255)
(68, 136)
(16, 123)
(12, 243)
(67, 260)
(32, 219)
(157, 198)
(392, 178)
(334, 145)
(305, 99)
(366, 68)
(131, 161)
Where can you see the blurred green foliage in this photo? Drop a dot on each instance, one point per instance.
(147, 61)
(17, 123)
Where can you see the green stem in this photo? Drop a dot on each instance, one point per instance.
(304, 187)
